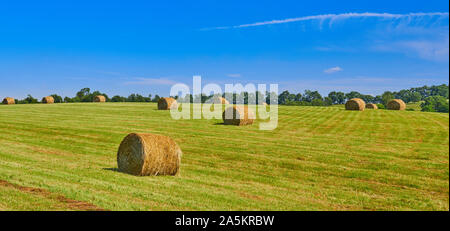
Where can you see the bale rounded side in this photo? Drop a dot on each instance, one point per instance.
(238, 115)
(48, 100)
(9, 100)
(396, 104)
(99, 99)
(167, 103)
(371, 106)
(148, 155)
(355, 104)
(220, 100)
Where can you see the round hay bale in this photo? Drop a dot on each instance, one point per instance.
(8, 100)
(238, 115)
(148, 155)
(99, 99)
(396, 104)
(220, 100)
(167, 103)
(355, 104)
(371, 106)
(48, 100)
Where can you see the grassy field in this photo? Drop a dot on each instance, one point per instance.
(63, 157)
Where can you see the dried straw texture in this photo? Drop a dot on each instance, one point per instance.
(371, 106)
(148, 154)
(396, 104)
(221, 100)
(166, 103)
(355, 104)
(99, 99)
(8, 100)
(238, 115)
(48, 100)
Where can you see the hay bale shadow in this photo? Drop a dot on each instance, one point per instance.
(112, 169)
(220, 123)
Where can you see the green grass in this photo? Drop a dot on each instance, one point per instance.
(319, 158)
(414, 106)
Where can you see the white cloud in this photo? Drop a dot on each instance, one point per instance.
(234, 75)
(334, 17)
(151, 81)
(333, 70)
(425, 49)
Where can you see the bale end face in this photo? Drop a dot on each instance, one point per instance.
(148, 155)
(396, 104)
(238, 115)
(99, 99)
(48, 100)
(355, 104)
(371, 106)
(166, 103)
(9, 100)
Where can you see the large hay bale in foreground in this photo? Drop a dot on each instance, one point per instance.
(8, 100)
(48, 100)
(371, 106)
(355, 104)
(238, 115)
(167, 103)
(396, 104)
(99, 99)
(148, 155)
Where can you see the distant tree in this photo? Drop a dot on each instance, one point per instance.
(327, 101)
(156, 98)
(83, 92)
(435, 103)
(309, 95)
(57, 98)
(386, 97)
(28, 100)
(118, 98)
(283, 97)
(415, 97)
(368, 98)
(353, 94)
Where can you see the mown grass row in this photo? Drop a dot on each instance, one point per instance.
(319, 158)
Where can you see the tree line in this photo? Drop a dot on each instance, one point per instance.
(433, 98)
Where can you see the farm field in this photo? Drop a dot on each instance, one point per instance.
(63, 157)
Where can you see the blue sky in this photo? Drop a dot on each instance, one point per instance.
(124, 47)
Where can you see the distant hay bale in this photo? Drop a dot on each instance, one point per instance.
(355, 104)
(48, 100)
(238, 115)
(371, 106)
(167, 103)
(148, 155)
(396, 104)
(8, 100)
(99, 99)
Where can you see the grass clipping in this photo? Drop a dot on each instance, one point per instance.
(148, 155)
(99, 99)
(48, 100)
(8, 100)
(355, 104)
(396, 104)
(238, 115)
(167, 103)
(371, 106)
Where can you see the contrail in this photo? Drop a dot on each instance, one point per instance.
(333, 17)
